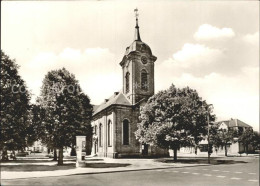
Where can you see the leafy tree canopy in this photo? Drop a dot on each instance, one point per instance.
(220, 137)
(173, 118)
(256, 140)
(36, 129)
(249, 137)
(15, 106)
(246, 137)
(67, 109)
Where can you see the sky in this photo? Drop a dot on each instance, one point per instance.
(210, 46)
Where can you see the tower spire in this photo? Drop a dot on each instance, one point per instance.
(137, 34)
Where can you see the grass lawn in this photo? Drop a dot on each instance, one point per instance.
(28, 168)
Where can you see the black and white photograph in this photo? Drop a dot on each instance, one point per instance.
(130, 93)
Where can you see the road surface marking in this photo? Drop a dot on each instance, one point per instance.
(221, 176)
(238, 172)
(185, 172)
(225, 171)
(159, 170)
(234, 178)
(195, 173)
(253, 180)
(251, 173)
(206, 174)
(215, 170)
(205, 169)
(175, 171)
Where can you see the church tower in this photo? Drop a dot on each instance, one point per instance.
(138, 69)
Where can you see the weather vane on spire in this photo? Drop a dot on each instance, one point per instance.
(136, 13)
(137, 34)
(136, 16)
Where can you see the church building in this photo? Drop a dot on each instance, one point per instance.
(115, 120)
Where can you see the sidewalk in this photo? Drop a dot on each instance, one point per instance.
(121, 165)
(40, 166)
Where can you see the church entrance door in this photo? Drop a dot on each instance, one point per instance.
(144, 149)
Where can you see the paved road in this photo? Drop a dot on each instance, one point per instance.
(224, 174)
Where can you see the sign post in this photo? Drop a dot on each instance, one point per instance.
(81, 150)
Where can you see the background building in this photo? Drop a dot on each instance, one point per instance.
(232, 148)
(234, 124)
(38, 147)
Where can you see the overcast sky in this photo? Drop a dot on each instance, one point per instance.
(212, 47)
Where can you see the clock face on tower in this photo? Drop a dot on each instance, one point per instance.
(144, 60)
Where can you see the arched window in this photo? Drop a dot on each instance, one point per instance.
(144, 80)
(127, 82)
(125, 132)
(100, 135)
(109, 133)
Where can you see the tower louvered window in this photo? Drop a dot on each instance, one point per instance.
(144, 80)
(127, 82)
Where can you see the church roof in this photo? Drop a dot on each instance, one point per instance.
(117, 99)
(138, 46)
(95, 107)
(234, 123)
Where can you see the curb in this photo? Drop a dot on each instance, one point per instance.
(110, 171)
(132, 170)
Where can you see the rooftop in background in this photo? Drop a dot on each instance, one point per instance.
(234, 123)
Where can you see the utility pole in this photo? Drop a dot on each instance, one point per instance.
(208, 140)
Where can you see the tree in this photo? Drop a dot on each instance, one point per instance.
(35, 128)
(256, 140)
(67, 110)
(246, 138)
(222, 137)
(15, 107)
(173, 118)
